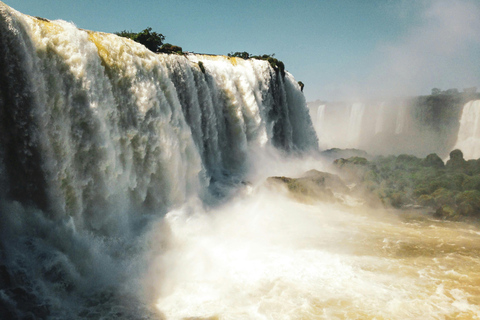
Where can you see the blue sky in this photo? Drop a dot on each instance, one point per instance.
(340, 49)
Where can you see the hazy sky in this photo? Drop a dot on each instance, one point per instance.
(338, 48)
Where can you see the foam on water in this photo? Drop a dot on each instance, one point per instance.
(265, 256)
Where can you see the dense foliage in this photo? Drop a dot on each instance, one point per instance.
(152, 40)
(451, 190)
(170, 48)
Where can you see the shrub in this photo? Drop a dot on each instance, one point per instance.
(169, 48)
(244, 55)
(150, 39)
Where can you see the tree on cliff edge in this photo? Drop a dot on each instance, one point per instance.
(150, 39)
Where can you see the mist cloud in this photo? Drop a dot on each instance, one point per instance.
(442, 50)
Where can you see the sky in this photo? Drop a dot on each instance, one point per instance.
(340, 49)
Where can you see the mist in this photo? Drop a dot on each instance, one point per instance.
(266, 255)
(440, 50)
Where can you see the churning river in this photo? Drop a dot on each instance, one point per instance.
(265, 256)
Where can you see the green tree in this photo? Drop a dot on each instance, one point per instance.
(243, 55)
(170, 48)
(126, 34)
(150, 39)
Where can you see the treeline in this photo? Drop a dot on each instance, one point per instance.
(152, 40)
(451, 190)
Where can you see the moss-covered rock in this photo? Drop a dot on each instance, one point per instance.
(336, 153)
(313, 185)
(434, 161)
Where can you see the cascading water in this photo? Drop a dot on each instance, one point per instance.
(98, 137)
(401, 121)
(416, 125)
(355, 123)
(320, 116)
(468, 139)
(380, 125)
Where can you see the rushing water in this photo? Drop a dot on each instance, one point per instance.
(264, 256)
(132, 187)
(469, 134)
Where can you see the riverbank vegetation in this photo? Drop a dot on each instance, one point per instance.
(451, 191)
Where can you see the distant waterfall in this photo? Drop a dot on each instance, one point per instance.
(468, 139)
(355, 123)
(401, 121)
(320, 116)
(381, 119)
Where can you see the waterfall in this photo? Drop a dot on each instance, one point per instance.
(320, 117)
(98, 135)
(411, 125)
(100, 112)
(468, 139)
(380, 119)
(355, 123)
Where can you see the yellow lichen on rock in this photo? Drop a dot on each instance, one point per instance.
(234, 61)
(96, 38)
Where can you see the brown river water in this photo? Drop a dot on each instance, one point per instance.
(266, 256)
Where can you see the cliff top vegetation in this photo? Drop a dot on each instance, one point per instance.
(152, 40)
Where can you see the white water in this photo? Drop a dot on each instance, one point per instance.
(320, 116)
(265, 256)
(468, 139)
(401, 121)
(357, 111)
(380, 125)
